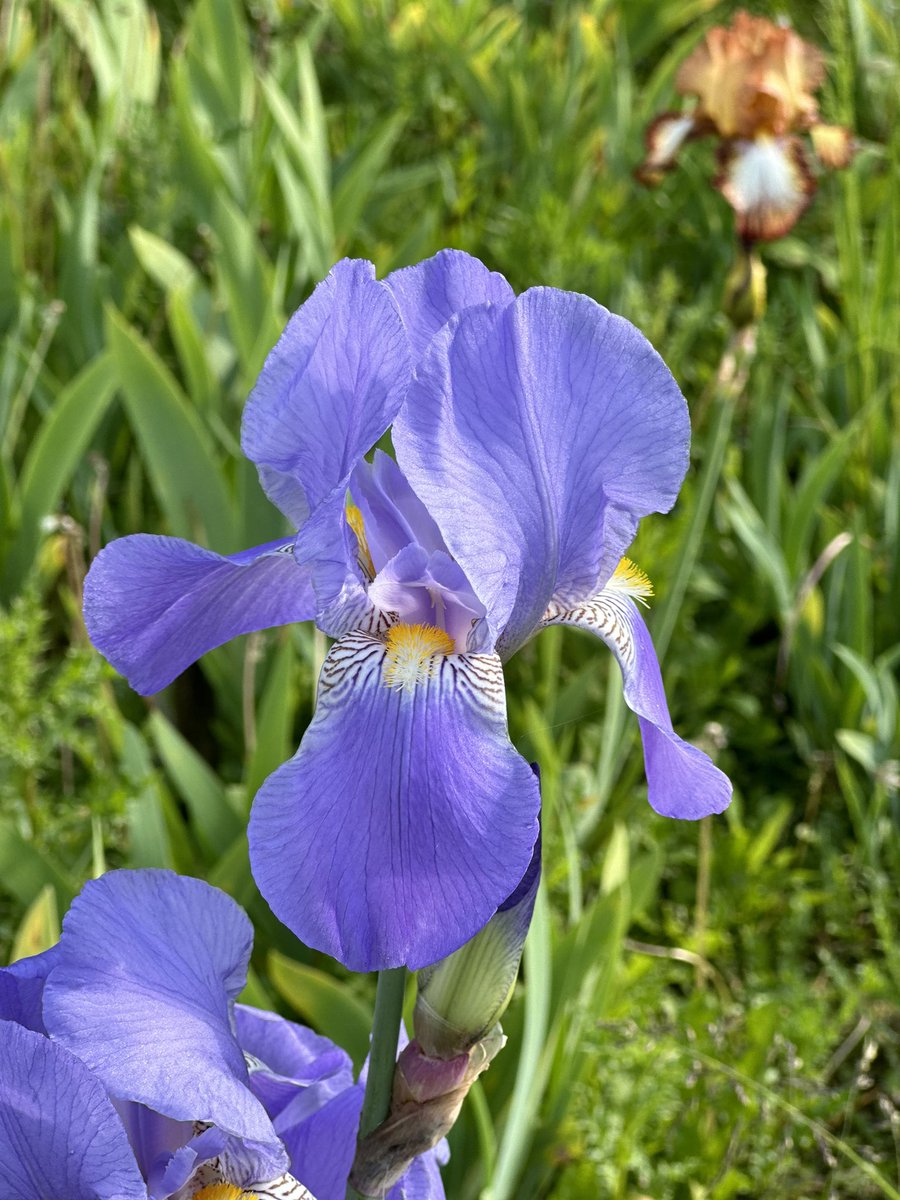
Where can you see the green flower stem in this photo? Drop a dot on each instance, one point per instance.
(383, 1054)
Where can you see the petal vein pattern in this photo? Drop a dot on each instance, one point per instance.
(328, 390)
(406, 816)
(153, 605)
(60, 1136)
(682, 781)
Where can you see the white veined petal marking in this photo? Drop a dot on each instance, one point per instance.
(608, 616)
(285, 1187)
(360, 660)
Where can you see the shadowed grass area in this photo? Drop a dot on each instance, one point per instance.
(706, 1012)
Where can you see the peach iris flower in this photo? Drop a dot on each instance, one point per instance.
(754, 84)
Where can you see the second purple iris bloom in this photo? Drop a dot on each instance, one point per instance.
(531, 434)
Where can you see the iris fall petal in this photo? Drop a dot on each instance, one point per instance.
(682, 781)
(153, 605)
(664, 138)
(833, 145)
(768, 183)
(406, 816)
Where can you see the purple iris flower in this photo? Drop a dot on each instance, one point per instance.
(531, 434)
(153, 1081)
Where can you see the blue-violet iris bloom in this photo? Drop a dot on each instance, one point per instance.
(153, 1082)
(531, 434)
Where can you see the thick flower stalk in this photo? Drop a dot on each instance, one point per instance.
(153, 1081)
(753, 83)
(459, 1003)
(531, 434)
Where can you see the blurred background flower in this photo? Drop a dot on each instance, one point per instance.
(754, 84)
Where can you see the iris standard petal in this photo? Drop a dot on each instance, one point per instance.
(328, 390)
(681, 780)
(59, 1134)
(537, 436)
(22, 989)
(431, 292)
(153, 605)
(406, 816)
(149, 964)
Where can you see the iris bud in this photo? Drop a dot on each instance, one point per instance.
(456, 1019)
(463, 996)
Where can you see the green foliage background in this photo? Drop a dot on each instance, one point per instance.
(706, 1012)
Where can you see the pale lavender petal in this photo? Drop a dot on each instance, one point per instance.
(393, 514)
(289, 1062)
(429, 589)
(406, 816)
(149, 965)
(537, 435)
(327, 548)
(60, 1137)
(22, 989)
(328, 390)
(153, 605)
(423, 1179)
(204, 1147)
(431, 292)
(681, 780)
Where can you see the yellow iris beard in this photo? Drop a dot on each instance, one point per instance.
(629, 578)
(412, 654)
(224, 1191)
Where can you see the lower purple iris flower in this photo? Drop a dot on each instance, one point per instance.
(531, 434)
(153, 1081)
